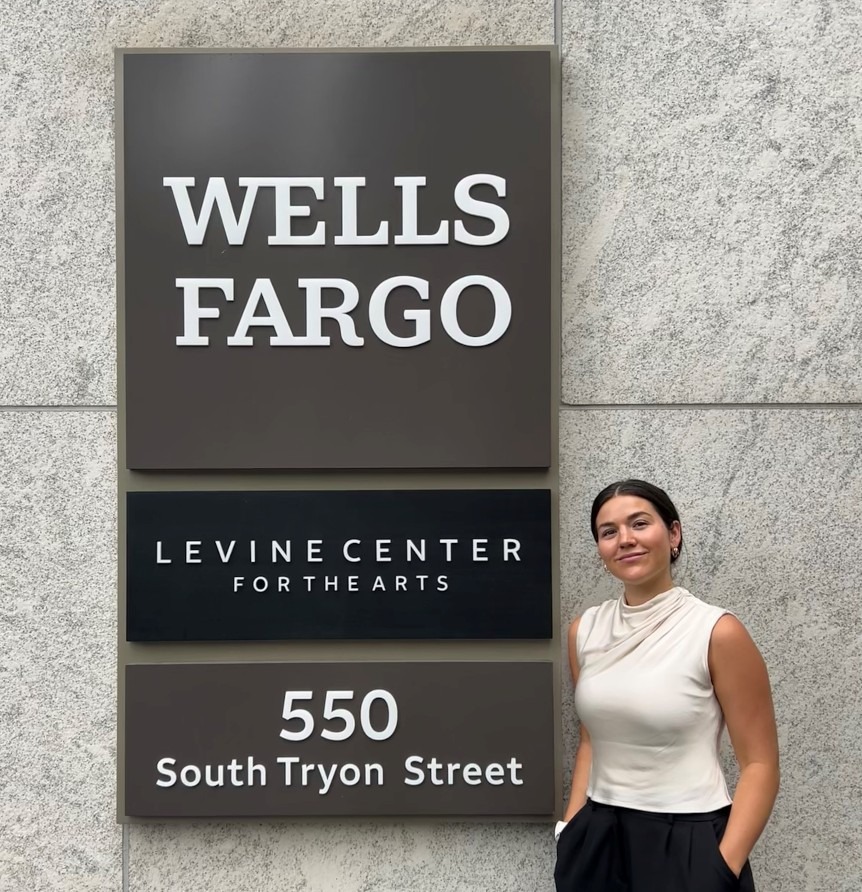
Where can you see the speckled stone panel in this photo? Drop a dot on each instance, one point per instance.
(57, 653)
(712, 167)
(57, 319)
(348, 857)
(770, 503)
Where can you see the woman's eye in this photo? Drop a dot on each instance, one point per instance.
(606, 533)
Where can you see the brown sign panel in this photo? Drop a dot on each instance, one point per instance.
(269, 739)
(337, 260)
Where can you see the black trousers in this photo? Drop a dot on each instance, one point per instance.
(609, 849)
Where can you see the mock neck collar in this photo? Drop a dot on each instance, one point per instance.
(658, 606)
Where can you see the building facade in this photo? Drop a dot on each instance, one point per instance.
(712, 342)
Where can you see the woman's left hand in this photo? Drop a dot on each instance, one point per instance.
(731, 862)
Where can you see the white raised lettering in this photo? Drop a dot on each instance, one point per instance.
(193, 312)
(511, 548)
(410, 216)
(315, 311)
(350, 216)
(164, 768)
(262, 290)
(420, 318)
(225, 555)
(279, 551)
(449, 311)
(216, 194)
(418, 550)
(285, 210)
(485, 209)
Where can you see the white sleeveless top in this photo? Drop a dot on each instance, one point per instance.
(645, 695)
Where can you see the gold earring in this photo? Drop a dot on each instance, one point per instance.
(674, 552)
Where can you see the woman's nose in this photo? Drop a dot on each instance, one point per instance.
(626, 536)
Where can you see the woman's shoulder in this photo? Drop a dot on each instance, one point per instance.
(707, 610)
(601, 609)
(582, 626)
(588, 617)
(713, 620)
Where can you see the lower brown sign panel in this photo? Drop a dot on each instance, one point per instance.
(268, 739)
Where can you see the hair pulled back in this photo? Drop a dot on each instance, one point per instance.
(657, 497)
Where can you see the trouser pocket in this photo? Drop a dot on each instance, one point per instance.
(588, 858)
(730, 879)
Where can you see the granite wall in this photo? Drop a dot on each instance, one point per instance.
(712, 337)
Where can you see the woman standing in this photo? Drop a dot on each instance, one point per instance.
(658, 673)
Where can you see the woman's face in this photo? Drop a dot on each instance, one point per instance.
(634, 542)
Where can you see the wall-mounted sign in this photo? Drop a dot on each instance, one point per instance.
(345, 263)
(360, 564)
(337, 260)
(267, 739)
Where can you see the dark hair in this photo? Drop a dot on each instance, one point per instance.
(658, 498)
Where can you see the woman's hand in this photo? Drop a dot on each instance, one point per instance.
(735, 864)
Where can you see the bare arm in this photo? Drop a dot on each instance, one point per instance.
(742, 687)
(584, 755)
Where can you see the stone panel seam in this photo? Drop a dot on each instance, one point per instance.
(558, 22)
(58, 408)
(706, 407)
(125, 862)
(567, 407)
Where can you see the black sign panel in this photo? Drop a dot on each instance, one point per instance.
(337, 260)
(318, 565)
(267, 739)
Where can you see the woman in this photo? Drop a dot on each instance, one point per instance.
(658, 673)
